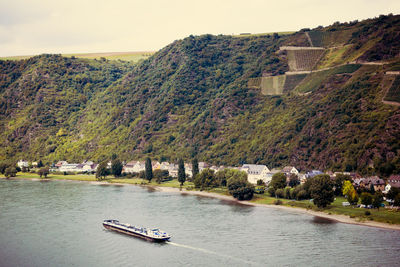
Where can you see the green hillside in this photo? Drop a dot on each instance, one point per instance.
(192, 98)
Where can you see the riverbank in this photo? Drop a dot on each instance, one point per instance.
(334, 217)
(258, 201)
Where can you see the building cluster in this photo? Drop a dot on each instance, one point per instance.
(255, 172)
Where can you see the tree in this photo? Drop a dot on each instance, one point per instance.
(102, 171)
(322, 190)
(240, 188)
(366, 198)
(278, 181)
(148, 170)
(393, 192)
(10, 172)
(195, 167)
(349, 192)
(116, 167)
(160, 175)
(181, 172)
(43, 172)
(293, 180)
(205, 179)
(339, 181)
(372, 189)
(377, 200)
(397, 200)
(40, 164)
(3, 167)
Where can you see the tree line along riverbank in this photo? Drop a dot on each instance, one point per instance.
(383, 217)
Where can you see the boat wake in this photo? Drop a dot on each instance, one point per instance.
(211, 252)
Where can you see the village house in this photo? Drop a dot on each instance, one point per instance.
(288, 170)
(202, 166)
(134, 167)
(394, 181)
(313, 173)
(23, 163)
(256, 172)
(375, 181)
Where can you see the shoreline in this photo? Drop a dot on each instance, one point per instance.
(334, 217)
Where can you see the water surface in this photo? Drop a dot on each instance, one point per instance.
(58, 223)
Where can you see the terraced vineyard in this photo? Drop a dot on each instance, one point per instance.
(393, 93)
(273, 85)
(292, 81)
(304, 59)
(330, 38)
(314, 80)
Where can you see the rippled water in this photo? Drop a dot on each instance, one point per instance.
(58, 223)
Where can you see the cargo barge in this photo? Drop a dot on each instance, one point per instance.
(155, 234)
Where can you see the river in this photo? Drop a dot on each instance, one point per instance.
(59, 223)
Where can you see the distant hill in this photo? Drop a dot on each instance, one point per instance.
(208, 97)
(125, 56)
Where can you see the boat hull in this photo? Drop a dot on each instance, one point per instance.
(123, 231)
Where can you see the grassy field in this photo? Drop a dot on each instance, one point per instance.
(381, 215)
(126, 56)
(261, 34)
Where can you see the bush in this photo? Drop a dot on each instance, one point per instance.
(366, 198)
(286, 192)
(240, 189)
(271, 191)
(302, 195)
(278, 202)
(367, 212)
(10, 172)
(279, 193)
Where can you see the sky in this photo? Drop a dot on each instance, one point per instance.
(30, 27)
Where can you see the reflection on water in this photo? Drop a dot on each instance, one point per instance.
(322, 220)
(59, 223)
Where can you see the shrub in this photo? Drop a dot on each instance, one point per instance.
(302, 195)
(278, 202)
(367, 212)
(279, 193)
(240, 189)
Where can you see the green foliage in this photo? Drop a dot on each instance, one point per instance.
(40, 164)
(240, 189)
(377, 200)
(293, 180)
(347, 189)
(280, 193)
(205, 179)
(116, 167)
(148, 170)
(181, 172)
(161, 175)
(393, 192)
(102, 171)
(366, 198)
(10, 172)
(338, 183)
(397, 200)
(322, 190)
(278, 181)
(195, 167)
(43, 172)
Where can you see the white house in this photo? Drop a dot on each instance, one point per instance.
(288, 170)
(256, 172)
(22, 163)
(70, 167)
(134, 166)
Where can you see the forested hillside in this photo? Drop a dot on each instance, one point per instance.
(193, 99)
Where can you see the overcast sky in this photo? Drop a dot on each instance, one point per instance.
(30, 27)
